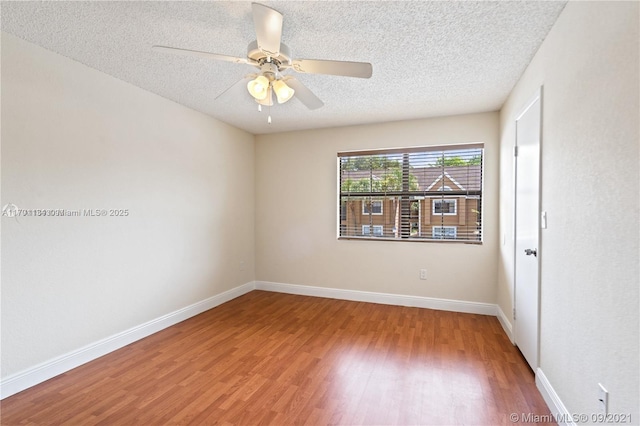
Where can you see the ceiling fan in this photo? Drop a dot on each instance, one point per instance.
(272, 57)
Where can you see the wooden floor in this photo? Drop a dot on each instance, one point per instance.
(270, 358)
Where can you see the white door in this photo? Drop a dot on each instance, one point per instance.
(527, 213)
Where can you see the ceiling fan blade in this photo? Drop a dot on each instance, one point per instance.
(303, 94)
(187, 52)
(268, 23)
(242, 82)
(343, 68)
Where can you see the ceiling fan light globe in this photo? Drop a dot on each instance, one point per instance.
(283, 92)
(265, 102)
(258, 87)
(268, 99)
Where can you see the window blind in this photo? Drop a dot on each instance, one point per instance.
(412, 194)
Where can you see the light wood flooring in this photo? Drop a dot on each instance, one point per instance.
(270, 358)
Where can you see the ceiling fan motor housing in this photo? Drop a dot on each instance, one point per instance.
(283, 59)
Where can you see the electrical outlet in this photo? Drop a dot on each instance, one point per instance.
(603, 400)
(423, 274)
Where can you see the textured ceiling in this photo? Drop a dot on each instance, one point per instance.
(429, 58)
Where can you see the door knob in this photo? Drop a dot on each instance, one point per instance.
(530, 252)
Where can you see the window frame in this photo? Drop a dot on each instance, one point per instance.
(443, 237)
(391, 174)
(364, 205)
(374, 231)
(442, 200)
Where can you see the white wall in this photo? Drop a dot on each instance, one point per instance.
(74, 138)
(590, 188)
(296, 215)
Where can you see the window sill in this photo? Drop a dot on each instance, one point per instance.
(411, 240)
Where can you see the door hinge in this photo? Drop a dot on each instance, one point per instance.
(514, 314)
(515, 151)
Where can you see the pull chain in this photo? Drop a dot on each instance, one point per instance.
(271, 101)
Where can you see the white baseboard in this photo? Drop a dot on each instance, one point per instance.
(49, 369)
(557, 408)
(382, 298)
(505, 323)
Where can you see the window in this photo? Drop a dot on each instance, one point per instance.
(372, 207)
(426, 193)
(445, 207)
(377, 230)
(444, 232)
